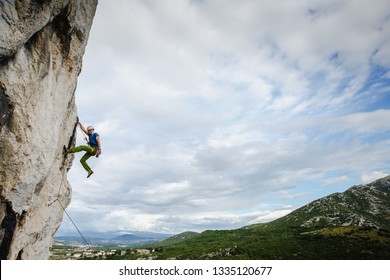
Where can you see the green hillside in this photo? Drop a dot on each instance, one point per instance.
(176, 239)
(263, 243)
(349, 225)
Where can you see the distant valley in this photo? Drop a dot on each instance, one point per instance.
(354, 224)
(111, 239)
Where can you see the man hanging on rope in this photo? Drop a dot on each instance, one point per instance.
(94, 147)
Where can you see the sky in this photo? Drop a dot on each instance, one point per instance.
(216, 114)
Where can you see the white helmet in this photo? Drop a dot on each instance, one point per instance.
(90, 127)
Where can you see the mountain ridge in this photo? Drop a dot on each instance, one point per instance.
(365, 205)
(353, 224)
(113, 238)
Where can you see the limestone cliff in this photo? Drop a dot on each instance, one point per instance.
(41, 47)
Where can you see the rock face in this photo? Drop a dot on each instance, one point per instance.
(41, 49)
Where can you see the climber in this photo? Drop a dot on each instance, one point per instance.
(94, 147)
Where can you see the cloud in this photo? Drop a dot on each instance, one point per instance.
(208, 109)
(372, 176)
(336, 180)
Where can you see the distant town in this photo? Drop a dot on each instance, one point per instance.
(66, 252)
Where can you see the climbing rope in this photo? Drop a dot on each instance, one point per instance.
(74, 224)
(85, 135)
(82, 236)
(58, 195)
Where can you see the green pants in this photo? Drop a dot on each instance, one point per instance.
(90, 151)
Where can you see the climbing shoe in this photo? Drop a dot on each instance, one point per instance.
(90, 172)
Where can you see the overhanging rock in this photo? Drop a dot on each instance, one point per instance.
(41, 48)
